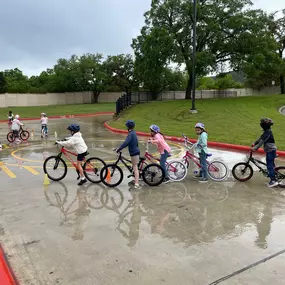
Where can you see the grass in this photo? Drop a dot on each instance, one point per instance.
(234, 120)
(55, 110)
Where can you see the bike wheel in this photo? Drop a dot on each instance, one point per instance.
(280, 175)
(217, 170)
(176, 170)
(111, 175)
(92, 168)
(24, 135)
(242, 172)
(11, 137)
(54, 165)
(153, 174)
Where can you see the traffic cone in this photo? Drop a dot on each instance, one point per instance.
(108, 178)
(46, 180)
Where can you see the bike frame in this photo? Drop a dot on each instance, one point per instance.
(256, 162)
(125, 162)
(66, 153)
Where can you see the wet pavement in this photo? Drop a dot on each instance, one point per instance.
(178, 233)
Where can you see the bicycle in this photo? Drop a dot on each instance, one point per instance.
(246, 170)
(23, 134)
(176, 169)
(217, 170)
(148, 172)
(92, 165)
(44, 132)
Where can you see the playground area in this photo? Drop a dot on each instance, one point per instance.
(177, 233)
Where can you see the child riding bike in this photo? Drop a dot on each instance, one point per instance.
(162, 146)
(77, 142)
(132, 143)
(268, 142)
(16, 126)
(44, 122)
(202, 149)
(10, 119)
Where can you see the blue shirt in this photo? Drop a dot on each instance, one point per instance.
(202, 143)
(132, 143)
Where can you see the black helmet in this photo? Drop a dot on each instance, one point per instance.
(266, 123)
(74, 128)
(130, 124)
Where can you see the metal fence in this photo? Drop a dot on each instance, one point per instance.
(123, 102)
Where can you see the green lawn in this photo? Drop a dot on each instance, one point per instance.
(54, 110)
(227, 120)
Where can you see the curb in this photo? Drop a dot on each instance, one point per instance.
(219, 145)
(7, 276)
(65, 116)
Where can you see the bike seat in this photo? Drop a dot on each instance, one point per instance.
(142, 158)
(209, 154)
(87, 153)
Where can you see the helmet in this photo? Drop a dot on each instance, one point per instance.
(266, 123)
(74, 128)
(155, 128)
(43, 114)
(17, 117)
(130, 124)
(200, 126)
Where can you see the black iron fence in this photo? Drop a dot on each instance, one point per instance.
(123, 102)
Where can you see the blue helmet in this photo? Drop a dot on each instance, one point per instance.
(155, 128)
(130, 124)
(200, 126)
(74, 128)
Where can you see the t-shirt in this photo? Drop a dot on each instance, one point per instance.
(16, 125)
(44, 120)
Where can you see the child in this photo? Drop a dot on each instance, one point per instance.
(162, 146)
(16, 126)
(10, 118)
(132, 143)
(268, 142)
(44, 121)
(201, 148)
(80, 147)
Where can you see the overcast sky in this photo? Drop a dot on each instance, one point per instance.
(35, 33)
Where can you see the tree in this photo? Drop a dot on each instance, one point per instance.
(120, 71)
(226, 31)
(16, 81)
(3, 84)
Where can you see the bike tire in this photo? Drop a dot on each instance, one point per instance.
(11, 137)
(92, 161)
(154, 173)
(280, 176)
(46, 169)
(213, 165)
(173, 170)
(235, 171)
(104, 175)
(24, 135)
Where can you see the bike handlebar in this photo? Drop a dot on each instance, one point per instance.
(187, 142)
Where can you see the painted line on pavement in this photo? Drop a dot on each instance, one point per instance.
(31, 169)
(8, 171)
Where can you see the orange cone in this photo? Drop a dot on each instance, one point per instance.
(108, 178)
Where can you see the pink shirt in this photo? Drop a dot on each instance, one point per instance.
(161, 143)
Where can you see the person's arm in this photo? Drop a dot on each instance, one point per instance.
(20, 124)
(125, 143)
(263, 139)
(156, 140)
(203, 140)
(68, 143)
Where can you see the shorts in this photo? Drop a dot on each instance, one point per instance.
(81, 156)
(16, 133)
(135, 159)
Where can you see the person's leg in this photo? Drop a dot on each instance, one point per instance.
(270, 161)
(203, 157)
(80, 158)
(135, 162)
(163, 158)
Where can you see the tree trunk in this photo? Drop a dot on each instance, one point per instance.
(189, 88)
(96, 97)
(282, 84)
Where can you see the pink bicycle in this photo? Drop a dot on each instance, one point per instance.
(217, 170)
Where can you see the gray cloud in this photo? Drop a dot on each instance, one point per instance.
(35, 33)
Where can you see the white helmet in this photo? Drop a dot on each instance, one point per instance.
(17, 117)
(43, 114)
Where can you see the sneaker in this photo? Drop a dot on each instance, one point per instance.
(272, 184)
(82, 181)
(78, 177)
(137, 186)
(166, 180)
(203, 180)
(196, 176)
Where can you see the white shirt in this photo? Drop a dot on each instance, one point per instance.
(16, 124)
(44, 120)
(77, 142)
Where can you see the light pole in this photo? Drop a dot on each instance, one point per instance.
(193, 109)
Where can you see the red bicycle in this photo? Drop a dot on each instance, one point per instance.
(217, 170)
(56, 169)
(23, 134)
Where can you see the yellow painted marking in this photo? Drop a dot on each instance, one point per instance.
(32, 170)
(8, 171)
